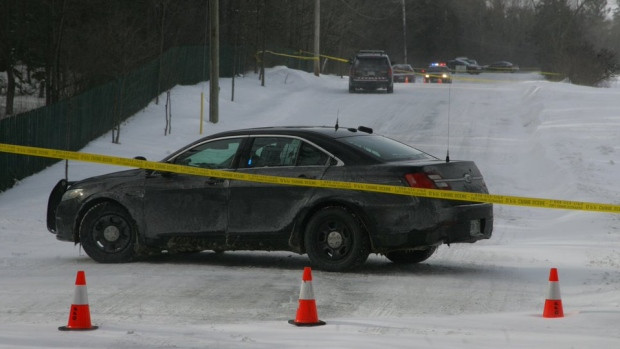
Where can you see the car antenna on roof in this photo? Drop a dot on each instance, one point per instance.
(336, 127)
(449, 110)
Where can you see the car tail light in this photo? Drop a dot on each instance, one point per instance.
(390, 71)
(426, 181)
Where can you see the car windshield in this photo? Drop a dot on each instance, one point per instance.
(371, 63)
(437, 69)
(385, 149)
(214, 154)
(402, 68)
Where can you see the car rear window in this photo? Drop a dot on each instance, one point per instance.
(385, 149)
(371, 62)
(402, 67)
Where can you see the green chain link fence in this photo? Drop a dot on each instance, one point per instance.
(74, 122)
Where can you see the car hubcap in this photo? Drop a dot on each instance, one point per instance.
(111, 233)
(334, 239)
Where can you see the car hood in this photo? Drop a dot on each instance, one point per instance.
(109, 180)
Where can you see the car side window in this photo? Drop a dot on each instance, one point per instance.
(217, 154)
(283, 151)
(272, 151)
(311, 156)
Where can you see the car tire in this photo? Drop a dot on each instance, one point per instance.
(411, 256)
(108, 234)
(351, 89)
(335, 241)
(390, 89)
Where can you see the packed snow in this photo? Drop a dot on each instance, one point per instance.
(529, 137)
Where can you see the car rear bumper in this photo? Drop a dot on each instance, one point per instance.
(438, 80)
(369, 83)
(456, 224)
(403, 78)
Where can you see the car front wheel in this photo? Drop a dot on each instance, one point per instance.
(411, 256)
(335, 240)
(108, 234)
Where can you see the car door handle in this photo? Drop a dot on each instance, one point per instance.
(214, 181)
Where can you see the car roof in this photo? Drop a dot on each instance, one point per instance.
(371, 52)
(325, 131)
(323, 136)
(362, 54)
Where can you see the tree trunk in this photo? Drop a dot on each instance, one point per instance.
(10, 91)
(214, 45)
(54, 85)
(317, 36)
(161, 49)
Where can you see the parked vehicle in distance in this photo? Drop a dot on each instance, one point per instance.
(437, 72)
(464, 65)
(502, 66)
(403, 73)
(371, 70)
(123, 216)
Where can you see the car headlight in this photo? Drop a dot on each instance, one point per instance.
(427, 76)
(445, 76)
(73, 194)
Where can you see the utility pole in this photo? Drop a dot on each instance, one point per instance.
(404, 33)
(317, 35)
(214, 44)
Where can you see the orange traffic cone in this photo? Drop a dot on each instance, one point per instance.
(79, 316)
(306, 313)
(553, 304)
(406, 79)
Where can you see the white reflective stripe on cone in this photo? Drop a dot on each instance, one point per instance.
(554, 291)
(80, 297)
(305, 292)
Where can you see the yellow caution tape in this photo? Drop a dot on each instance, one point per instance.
(308, 56)
(377, 188)
(287, 55)
(344, 60)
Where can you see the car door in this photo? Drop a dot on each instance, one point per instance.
(188, 205)
(262, 214)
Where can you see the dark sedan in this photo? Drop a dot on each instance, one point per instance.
(502, 66)
(125, 215)
(464, 65)
(403, 73)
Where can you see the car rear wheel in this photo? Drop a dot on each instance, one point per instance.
(335, 240)
(108, 234)
(411, 256)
